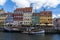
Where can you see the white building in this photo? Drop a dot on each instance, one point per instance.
(27, 16)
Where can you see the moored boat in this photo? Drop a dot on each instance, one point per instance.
(35, 32)
(30, 31)
(8, 29)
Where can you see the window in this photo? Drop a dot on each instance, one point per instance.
(48, 19)
(26, 22)
(20, 22)
(28, 19)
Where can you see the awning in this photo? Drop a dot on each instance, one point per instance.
(9, 23)
(50, 24)
(42, 24)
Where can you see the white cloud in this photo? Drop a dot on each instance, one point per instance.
(2, 2)
(52, 3)
(22, 3)
(56, 16)
(38, 3)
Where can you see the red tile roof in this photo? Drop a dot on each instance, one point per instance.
(27, 9)
(45, 13)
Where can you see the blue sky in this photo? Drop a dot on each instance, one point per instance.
(10, 5)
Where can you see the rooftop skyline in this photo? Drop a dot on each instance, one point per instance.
(38, 5)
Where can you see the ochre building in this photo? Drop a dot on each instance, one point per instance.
(45, 18)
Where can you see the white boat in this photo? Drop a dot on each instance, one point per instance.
(41, 31)
(36, 32)
(7, 28)
(10, 28)
(15, 29)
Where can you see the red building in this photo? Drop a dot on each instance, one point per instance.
(26, 9)
(18, 17)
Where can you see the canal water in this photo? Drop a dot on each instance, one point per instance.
(19, 36)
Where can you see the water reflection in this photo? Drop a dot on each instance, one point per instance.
(19, 36)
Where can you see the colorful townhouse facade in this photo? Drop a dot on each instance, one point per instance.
(3, 16)
(46, 18)
(35, 19)
(18, 16)
(22, 16)
(9, 18)
(27, 16)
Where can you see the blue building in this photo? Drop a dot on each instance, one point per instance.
(9, 18)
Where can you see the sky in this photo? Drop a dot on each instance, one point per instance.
(38, 5)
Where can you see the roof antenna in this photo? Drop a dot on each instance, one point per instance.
(44, 9)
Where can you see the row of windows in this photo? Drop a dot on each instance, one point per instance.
(17, 16)
(26, 16)
(45, 16)
(34, 23)
(30, 19)
(26, 22)
(20, 12)
(34, 17)
(2, 16)
(46, 19)
(27, 19)
(21, 19)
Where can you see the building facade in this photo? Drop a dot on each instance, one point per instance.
(56, 23)
(9, 18)
(27, 16)
(46, 18)
(22, 16)
(3, 16)
(18, 17)
(35, 19)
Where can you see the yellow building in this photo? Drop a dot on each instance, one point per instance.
(46, 18)
(3, 16)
